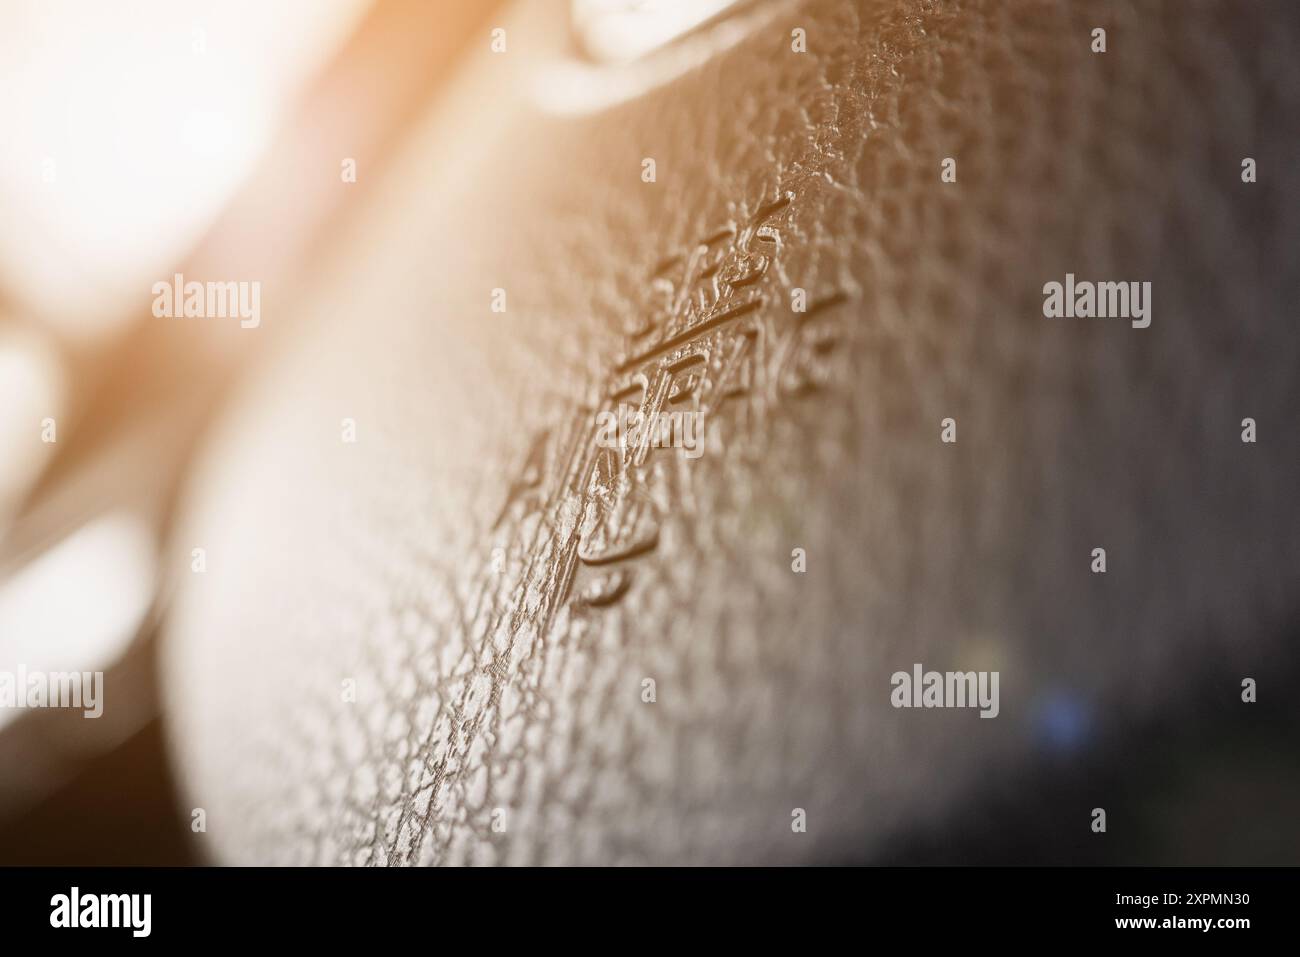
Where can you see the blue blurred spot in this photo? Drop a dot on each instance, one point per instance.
(1062, 720)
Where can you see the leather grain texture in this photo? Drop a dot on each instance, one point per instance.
(498, 587)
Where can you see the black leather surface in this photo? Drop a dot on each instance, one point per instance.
(499, 590)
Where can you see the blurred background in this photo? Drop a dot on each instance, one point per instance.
(143, 139)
